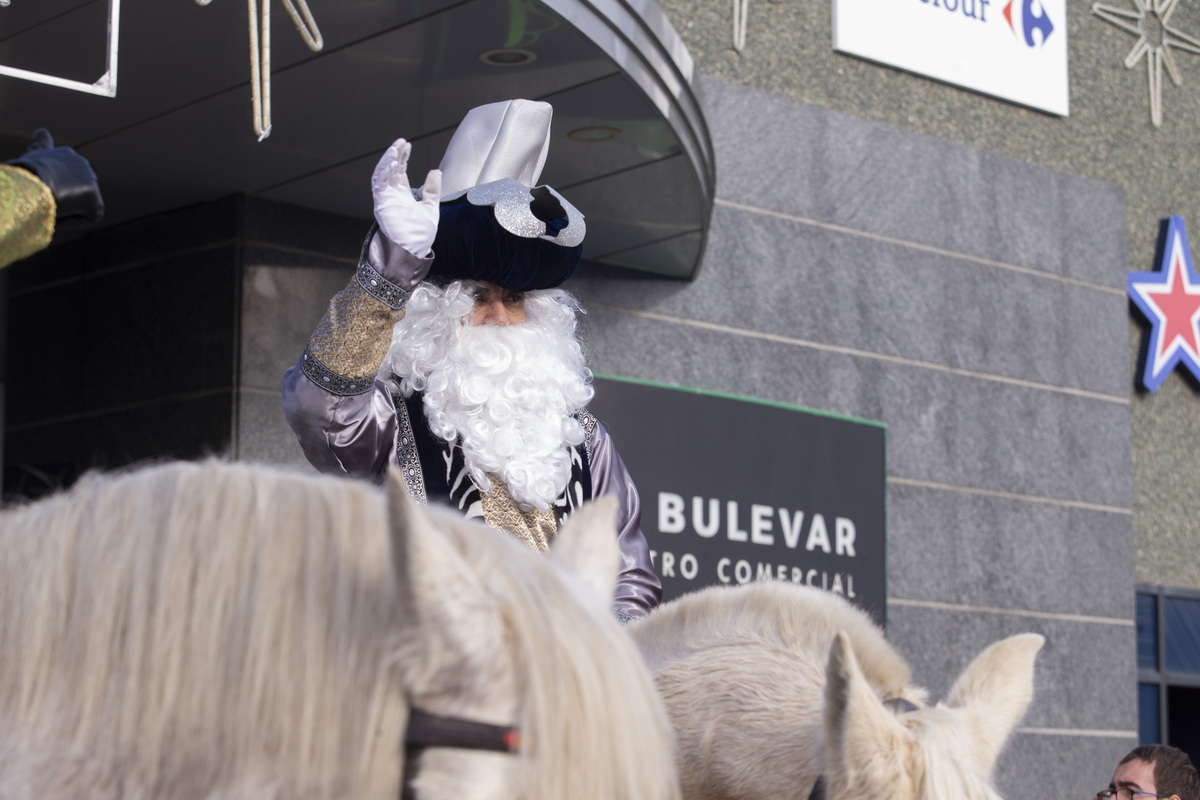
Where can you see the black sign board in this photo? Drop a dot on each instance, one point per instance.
(735, 490)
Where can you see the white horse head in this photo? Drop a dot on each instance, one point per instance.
(762, 708)
(937, 753)
(231, 631)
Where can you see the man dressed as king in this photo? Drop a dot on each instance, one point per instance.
(453, 356)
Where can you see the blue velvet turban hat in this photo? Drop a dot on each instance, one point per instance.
(472, 245)
(496, 224)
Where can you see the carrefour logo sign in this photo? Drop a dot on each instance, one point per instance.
(1032, 23)
(1012, 49)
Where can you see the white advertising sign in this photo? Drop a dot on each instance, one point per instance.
(1014, 49)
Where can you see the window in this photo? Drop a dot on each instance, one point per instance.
(1168, 657)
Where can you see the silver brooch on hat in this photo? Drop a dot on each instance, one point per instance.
(521, 211)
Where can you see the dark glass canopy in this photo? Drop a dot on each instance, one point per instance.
(630, 148)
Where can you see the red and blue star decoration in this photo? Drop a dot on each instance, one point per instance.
(1169, 299)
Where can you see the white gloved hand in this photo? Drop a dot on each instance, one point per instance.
(408, 222)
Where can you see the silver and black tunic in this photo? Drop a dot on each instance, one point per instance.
(351, 423)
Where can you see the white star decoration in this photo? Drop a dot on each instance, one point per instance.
(1158, 53)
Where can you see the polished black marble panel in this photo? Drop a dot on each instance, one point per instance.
(43, 458)
(125, 343)
(164, 328)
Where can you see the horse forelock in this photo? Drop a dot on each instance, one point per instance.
(201, 626)
(591, 723)
(944, 765)
(931, 759)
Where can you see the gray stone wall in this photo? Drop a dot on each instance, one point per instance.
(294, 261)
(974, 304)
(1108, 137)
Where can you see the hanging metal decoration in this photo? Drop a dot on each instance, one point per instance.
(740, 10)
(105, 85)
(260, 54)
(1146, 22)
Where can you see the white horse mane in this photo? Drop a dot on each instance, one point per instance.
(768, 612)
(231, 631)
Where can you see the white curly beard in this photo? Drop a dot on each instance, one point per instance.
(507, 395)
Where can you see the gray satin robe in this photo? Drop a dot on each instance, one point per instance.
(346, 422)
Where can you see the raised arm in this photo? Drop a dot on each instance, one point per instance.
(343, 416)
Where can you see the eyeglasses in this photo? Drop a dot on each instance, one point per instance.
(1124, 793)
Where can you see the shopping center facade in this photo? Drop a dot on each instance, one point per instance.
(780, 222)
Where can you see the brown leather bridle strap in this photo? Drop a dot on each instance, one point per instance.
(429, 730)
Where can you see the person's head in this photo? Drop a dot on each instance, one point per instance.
(502, 374)
(1154, 770)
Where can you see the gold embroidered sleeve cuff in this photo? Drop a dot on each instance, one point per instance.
(332, 382)
(353, 337)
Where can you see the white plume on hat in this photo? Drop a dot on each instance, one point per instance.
(500, 140)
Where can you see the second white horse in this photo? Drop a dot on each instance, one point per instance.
(770, 686)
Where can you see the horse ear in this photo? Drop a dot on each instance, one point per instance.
(426, 563)
(587, 546)
(993, 693)
(863, 740)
